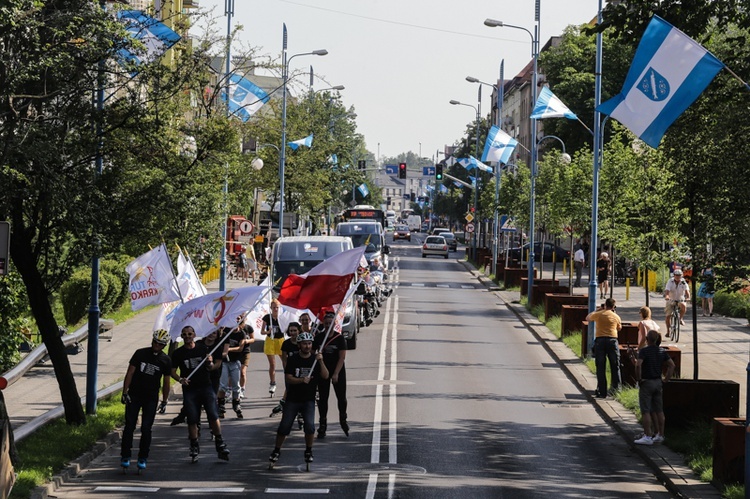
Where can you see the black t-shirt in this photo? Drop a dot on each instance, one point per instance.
(300, 368)
(290, 347)
(149, 366)
(235, 338)
(187, 359)
(653, 359)
(273, 330)
(248, 330)
(334, 344)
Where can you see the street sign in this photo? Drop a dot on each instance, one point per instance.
(469, 217)
(507, 224)
(469, 228)
(391, 169)
(4, 247)
(245, 238)
(246, 227)
(428, 171)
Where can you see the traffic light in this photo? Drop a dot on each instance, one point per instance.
(413, 197)
(438, 172)
(361, 164)
(402, 170)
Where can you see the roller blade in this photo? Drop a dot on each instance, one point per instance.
(141, 465)
(273, 459)
(125, 464)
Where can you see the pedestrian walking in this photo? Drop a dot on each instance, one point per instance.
(274, 339)
(706, 291)
(606, 347)
(245, 357)
(334, 356)
(645, 325)
(603, 268)
(579, 257)
(648, 372)
(303, 372)
(148, 370)
(195, 362)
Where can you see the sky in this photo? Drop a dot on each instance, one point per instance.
(402, 61)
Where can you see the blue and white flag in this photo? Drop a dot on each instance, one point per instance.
(669, 71)
(549, 106)
(480, 165)
(307, 142)
(457, 183)
(430, 188)
(333, 159)
(444, 189)
(245, 97)
(155, 36)
(473, 180)
(362, 188)
(499, 146)
(466, 163)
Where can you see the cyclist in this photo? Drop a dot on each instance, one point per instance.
(676, 292)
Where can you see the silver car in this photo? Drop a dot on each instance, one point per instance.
(435, 245)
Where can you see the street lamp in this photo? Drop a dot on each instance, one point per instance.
(476, 154)
(282, 152)
(492, 23)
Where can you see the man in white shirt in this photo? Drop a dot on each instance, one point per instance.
(579, 257)
(677, 293)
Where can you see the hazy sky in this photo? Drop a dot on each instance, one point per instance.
(403, 60)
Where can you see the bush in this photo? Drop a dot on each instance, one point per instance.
(116, 267)
(75, 295)
(13, 307)
(734, 304)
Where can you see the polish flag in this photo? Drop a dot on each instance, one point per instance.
(323, 286)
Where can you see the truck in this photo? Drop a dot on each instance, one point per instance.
(414, 222)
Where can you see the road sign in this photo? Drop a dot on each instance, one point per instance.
(469, 218)
(391, 169)
(507, 224)
(246, 227)
(428, 171)
(245, 238)
(469, 228)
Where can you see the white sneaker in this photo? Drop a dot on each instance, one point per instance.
(242, 392)
(645, 440)
(658, 438)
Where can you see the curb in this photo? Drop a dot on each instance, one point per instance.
(677, 478)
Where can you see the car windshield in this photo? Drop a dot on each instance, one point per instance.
(283, 269)
(367, 239)
(402, 228)
(447, 235)
(435, 240)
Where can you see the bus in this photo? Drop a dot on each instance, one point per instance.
(365, 212)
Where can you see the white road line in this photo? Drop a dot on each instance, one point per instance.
(464, 286)
(297, 491)
(207, 490)
(443, 285)
(418, 284)
(392, 413)
(126, 489)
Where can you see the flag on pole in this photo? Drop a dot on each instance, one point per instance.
(450, 161)
(465, 162)
(255, 316)
(362, 188)
(480, 165)
(245, 97)
(307, 142)
(444, 189)
(325, 284)
(190, 287)
(152, 279)
(216, 310)
(457, 183)
(155, 36)
(549, 106)
(669, 71)
(499, 146)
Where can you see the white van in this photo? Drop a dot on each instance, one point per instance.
(367, 233)
(414, 222)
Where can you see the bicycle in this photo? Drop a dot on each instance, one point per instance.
(674, 328)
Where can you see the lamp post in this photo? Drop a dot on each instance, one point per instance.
(535, 56)
(282, 149)
(229, 12)
(476, 189)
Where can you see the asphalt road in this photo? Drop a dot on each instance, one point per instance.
(449, 396)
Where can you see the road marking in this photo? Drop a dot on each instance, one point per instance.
(126, 489)
(418, 284)
(220, 490)
(392, 415)
(297, 491)
(465, 286)
(443, 285)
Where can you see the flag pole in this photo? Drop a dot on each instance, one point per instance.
(735, 75)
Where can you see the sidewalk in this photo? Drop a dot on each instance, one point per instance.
(722, 356)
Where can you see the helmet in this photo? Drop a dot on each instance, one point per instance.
(677, 272)
(161, 336)
(304, 337)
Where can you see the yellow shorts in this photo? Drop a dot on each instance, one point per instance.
(272, 346)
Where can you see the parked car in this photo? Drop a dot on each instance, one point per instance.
(437, 230)
(402, 232)
(549, 248)
(450, 238)
(435, 245)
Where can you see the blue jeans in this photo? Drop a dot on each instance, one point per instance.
(606, 348)
(194, 398)
(291, 409)
(230, 370)
(148, 405)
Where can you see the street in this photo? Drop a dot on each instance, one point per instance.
(449, 396)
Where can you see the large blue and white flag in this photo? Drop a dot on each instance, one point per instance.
(499, 146)
(362, 188)
(307, 142)
(245, 97)
(155, 36)
(466, 163)
(457, 183)
(669, 71)
(480, 165)
(549, 106)
(444, 189)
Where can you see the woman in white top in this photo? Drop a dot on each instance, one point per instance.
(646, 325)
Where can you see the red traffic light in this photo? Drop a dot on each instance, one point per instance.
(402, 170)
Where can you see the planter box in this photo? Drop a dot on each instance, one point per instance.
(627, 368)
(572, 318)
(628, 335)
(553, 303)
(537, 282)
(538, 292)
(729, 451)
(513, 276)
(686, 400)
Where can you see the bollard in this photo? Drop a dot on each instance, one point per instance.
(627, 288)
(565, 267)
